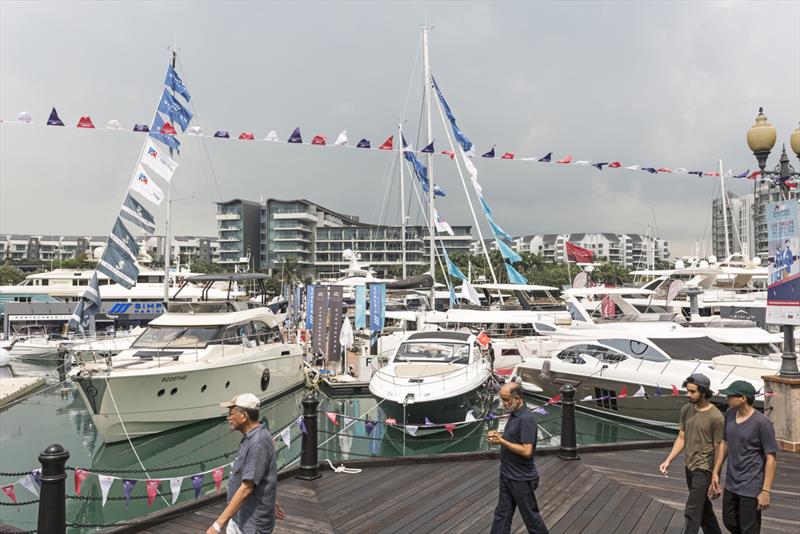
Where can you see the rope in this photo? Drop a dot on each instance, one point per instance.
(343, 469)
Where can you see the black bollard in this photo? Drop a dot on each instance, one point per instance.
(309, 459)
(52, 496)
(568, 450)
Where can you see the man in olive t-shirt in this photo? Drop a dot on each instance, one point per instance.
(700, 435)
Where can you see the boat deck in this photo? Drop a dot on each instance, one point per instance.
(618, 491)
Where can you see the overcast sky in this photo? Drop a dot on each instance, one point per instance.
(673, 84)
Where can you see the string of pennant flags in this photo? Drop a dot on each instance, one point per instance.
(167, 133)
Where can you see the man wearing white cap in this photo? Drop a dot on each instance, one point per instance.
(254, 476)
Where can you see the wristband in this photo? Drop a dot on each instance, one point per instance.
(764, 491)
(216, 527)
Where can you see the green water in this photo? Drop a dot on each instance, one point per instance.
(57, 415)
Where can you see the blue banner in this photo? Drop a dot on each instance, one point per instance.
(507, 252)
(173, 109)
(377, 309)
(310, 307)
(783, 243)
(296, 309)
(514, 276)
(462, 139)
(361, 307)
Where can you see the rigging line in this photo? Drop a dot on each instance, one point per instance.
(121, 422)
(430, 229)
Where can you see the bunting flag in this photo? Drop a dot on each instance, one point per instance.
(490, 416)
(145, 186)
(216, 474)
(640, 392)
(332, 417)
(160, 163)
(468, 293)
(222, 134)
(450, 427)
(152, 490)
(623, 393)
(658, 392)
(175, 487)
(565, 160)
(80, 476)
(36, 475)
(127, 488)
(9, 492)
(428, 422)
(675, 391)
(272, 136)
(390, 421)
(29, 484)
(470, 418)
(105, 485)
(123, 239)
(554, 400)
(137, 214)
(466, 144)
(428, 149)
(141, 128)
(85, 122)
(578, 254)
(319, 140)
(247, 136)
(546, 158)
(387, 145)
(341, 139)
(449, 153)
(586, 398)
(286, 436)
(599, 166)
(197, 484)
(53, 120)
(295, 137)
(412, 429)
(489, 154)
(541, 410)
(452, 268)
(364, 143)
(174, 82)
(507, 155)
(442, 226)
(302, 424)
(369, 426)
(24, 116)
(173, 109)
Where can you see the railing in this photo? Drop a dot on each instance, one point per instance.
(429, 383)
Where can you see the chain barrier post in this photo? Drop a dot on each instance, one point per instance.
(52, 497)
(568, 449)
(309, 458)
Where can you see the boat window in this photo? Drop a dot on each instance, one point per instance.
(636, 349)
(176, 337)
(233, 335)
(573, 354)
(433, 351)
(759, 349)
(263, 333)
(543, 327)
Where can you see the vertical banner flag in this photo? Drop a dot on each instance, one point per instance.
(137, 214)
(783, 242)
(172, 108)
(361, 307)
(334, 323)
(145, 186)
(174, 82)
(160, 163)
(175, 487)
(297, 305)
(319, 329)
(377, 308)
(310, 307)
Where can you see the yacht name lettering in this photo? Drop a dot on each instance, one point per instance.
(173, 378)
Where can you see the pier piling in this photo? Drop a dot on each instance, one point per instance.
(568, 450)
(309, 459)
(52, 496)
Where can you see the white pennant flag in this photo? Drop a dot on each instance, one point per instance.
(412, 429)
(468, 293)
(442, 226)
(586, 398)
(342, 139)
(160, 163)
(175, 487)
(583, 162)
(114, 124)
(640, 392)
(145, 186)
(633, 167)
(195, 130)
(470, 417)
(29, 484)
(105, 485)
(681, 170)
(286, 436)
(473, 173)
(272, 136)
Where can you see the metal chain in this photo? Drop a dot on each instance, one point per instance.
(23, 503)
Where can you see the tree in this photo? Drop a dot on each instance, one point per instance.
(10, 275)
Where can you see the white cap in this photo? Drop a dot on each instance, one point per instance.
(243, 400)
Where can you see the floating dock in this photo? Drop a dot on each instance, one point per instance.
(12, 389)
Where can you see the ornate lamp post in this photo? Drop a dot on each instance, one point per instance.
(761, 138)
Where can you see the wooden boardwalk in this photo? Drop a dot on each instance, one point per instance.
(603, 493)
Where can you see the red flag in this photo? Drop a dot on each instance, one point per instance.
(664, 169)
(332, 417)
(391, 421)
(505, 372)
(152, 489)
(80, 476)
(568, 159)
(555, 399)
(85, 122)
(168, 129)
(675, 391)
(450, 427)
(507, 155)
(247, 136)
(791, 185)
(607, 308)
(319, 140)
(9, 491)
(216, 474)
(711, 173)
(615, 165)
(754, 175)
(484, 339)
(387, 145)
(449, 153)
(623, 393)
(579, 254)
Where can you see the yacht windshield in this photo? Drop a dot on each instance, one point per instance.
(176, 337)
(433, 351)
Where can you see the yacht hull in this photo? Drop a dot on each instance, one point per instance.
(441, 411)
(143, 404)
(33, 352)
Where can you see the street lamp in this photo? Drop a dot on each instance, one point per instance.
(761, 138)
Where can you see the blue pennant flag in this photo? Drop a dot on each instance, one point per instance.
(507, 252)
(141, 128)
(405, 145)
(137, 214)
(745, 174)
(295, 137)
(698, 173)
(174, 82)
(428, 149)
(651, 170)
(364, 143)
(117, 265)
(541, 410)
(173, 109)
(452, 268)
(419, 169)
(489, 154)
(465, 143)
(223, 134)
(438, 191)
(169, 140)
(546, 159)
(599, 166)
(123, 238)
(88, 305)
(310, 306)
(514, 276)
(54, 120)
(658, 391)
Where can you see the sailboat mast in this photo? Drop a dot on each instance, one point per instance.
(724, 210)
(402, 198)
(168, 237)
(426, 95)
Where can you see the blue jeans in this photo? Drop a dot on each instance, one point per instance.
(517, 494)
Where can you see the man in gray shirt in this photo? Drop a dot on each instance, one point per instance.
(253, 481)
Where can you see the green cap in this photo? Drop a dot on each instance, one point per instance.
(739, 388)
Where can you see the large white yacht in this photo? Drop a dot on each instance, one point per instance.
(179, 368)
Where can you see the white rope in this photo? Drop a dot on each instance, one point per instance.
(343, 469)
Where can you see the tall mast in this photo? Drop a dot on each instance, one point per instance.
(167, 237)
(402, 198)
(724, 210)
(426, 95)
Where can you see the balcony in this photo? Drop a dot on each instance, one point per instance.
(229, 216)
(295, 215)
(229, 239)
(229, 229)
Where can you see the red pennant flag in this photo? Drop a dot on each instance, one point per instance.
(675, 391)
(505, 372)
(85, 122)
(568, 159)
(168, 129)
(247, 136)
(9, 491)
(332, 417)
(615, 165)
(555, 399)
(320, 140)
(450, 427)
(152, 489)
(216, 474)
(507, 155)
(387, 145)
(391, 421)
(664, 169)
(791, 185)
(449, 153)
(578, 254)
(623, 393)
(754, 175)
(80, 476)
(711, 173)
(484, 339)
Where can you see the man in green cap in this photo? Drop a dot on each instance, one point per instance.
(749, 440)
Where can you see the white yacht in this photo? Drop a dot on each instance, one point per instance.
(434, 377)
(179, 368)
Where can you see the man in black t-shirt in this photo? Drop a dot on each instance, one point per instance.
(518, 474)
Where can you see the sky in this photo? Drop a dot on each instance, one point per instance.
(672, 84)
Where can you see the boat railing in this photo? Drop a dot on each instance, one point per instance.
(425, 382)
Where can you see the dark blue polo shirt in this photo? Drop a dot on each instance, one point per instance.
(256, 462)
(520, 428)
